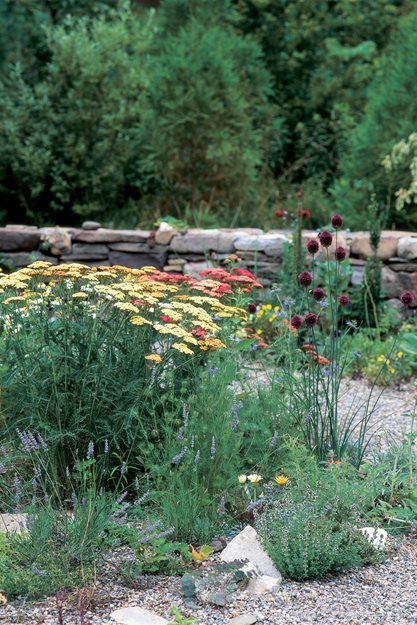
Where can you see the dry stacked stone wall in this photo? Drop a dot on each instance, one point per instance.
(193, 250)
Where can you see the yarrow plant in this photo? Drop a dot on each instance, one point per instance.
(88, 350)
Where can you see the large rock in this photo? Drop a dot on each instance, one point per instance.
(19, 239)
(263, 584)
(103, 235)
(138, 248)
(377, 537)
(270, 244)
(13, 522)
(407, 248)
(87, 251)
(23, 259)
(165, 233)
(360, 245)
(203, 241)
(137, 616)
(193, 269)
(136, 261)
(395, 282)
(246, 546)
(57, 240)
(357, 275)
(91, 225)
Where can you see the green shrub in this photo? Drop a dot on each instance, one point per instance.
(71, 143)
(393, 89)
(310, 529)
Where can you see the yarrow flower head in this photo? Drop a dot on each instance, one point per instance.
(305, 279)
(318, 294)
(326, 238)
(280, 213)
(251, 308)
(310, 320)
(337, 221)
(407, 298)
(344, 299)
(304, 213)
(281, 479)
(340, 253)
(296, 321)
(312, 246)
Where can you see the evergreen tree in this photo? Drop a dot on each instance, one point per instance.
(206, 107)
(390, 115)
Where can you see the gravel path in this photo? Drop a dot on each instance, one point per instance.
(385, 594)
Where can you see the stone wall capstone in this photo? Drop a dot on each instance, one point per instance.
(193, 250)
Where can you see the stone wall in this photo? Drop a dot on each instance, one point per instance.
(194, 250)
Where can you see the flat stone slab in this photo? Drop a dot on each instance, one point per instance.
(376, 536)
(244, 619)
(13, 522)
(246, 546)
(137, 616)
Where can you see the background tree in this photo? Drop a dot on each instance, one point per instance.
(390, 116)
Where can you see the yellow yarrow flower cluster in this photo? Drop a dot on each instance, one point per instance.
(171, 311)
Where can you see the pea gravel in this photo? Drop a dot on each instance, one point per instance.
(385, 594)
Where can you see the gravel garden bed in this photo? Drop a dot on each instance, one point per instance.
(382, 594)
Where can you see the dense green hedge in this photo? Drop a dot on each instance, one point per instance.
(199, 108)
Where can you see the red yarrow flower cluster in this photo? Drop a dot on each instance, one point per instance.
(280, 213)
(317, 358)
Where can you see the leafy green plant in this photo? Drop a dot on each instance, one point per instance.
(311, 529)
(181, 620)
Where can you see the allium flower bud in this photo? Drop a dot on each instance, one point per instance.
(326, 238)
(252, 308)
(310, 320)
(305, 279)
(318, 294)
(296, 321)
(407, 298)
(340, 253)
(312, 246)
(344, 299)
(337, 221)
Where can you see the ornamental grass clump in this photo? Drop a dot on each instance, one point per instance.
(107, 353)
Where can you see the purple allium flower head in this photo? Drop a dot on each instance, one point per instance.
(318, 294)
(340, 253)
(310, 320)
(344, 299)
(407, 298)
(326, 238)
(251, 308)
(312, 246)
(337, 221)
(296, 321)
(305, 279)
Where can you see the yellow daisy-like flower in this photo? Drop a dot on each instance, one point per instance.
(16, 298)
(126, 306)
(154, 357)
(281, 479)
(139, 321)
(182, 347)
(254, 478)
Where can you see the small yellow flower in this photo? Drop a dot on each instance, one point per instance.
(400, 354)
(139, 321)
(380, 358)
(126, 306)
(391, 370)
(242, 479)
(281, 479)
(79, 295)
(182, 347)
(254, 478)
(259, 332)
(154, 357)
